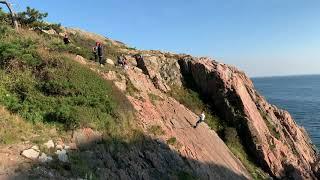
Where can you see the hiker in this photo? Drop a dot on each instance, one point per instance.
(94, 51)
(66, 39)
(138, 57)
(201, 119)
(122, 61)
(100, 54)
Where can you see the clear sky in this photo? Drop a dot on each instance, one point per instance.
(261, 37)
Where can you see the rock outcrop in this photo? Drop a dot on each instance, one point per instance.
(168, 120)
(281, 147)
(272, 136)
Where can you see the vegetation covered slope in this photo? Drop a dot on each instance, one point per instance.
(42, 83)
(55, 96)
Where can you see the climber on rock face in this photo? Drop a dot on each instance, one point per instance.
(201, 119)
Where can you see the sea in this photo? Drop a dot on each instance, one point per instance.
(300, 95)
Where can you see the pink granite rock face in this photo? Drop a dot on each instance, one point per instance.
(273, 137)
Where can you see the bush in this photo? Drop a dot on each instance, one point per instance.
(19, 48)
(45, 86)
(4, 18)
(172, 141)
(156, 130)
(33, 18)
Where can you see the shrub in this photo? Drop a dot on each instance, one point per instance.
(172, 141)
(4, 18)
(156, 130)
(33, 18)
(45, 86)
(232, 140)
(20, 48)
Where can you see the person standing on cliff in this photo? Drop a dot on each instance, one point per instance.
(100, 54)
(94, 52)
(66, 39)
(201, 119)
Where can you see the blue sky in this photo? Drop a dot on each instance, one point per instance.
(261, 37)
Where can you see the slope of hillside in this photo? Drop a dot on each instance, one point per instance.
(43, 82)
(137, 123)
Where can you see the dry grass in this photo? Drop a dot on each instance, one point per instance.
(14, 130)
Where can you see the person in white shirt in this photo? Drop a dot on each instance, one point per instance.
(201, 119)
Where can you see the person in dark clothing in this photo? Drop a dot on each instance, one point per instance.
(100, 54)
(122, 61)
(66, 39)
(94, 51)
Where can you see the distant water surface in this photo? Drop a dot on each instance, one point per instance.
(300, 95)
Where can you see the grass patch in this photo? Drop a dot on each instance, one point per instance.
(272, 128)
(172, 141)
(233, 142)
(156, 130)
(14, 130)
(154, 98)
(45, 86)
(185, 176)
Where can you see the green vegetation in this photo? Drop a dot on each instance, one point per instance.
(4, 18)
(41, 83)
(232, 140)
(46, 86)
(172, 141)
(185, 176)
(272, 128)
(154, 98)
(156, 130)
(14, 129)
(84, 47)
(32, 18)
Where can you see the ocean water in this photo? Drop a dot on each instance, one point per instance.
(300, 95)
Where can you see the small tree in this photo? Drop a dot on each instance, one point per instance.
(33, 18)
(12, 13)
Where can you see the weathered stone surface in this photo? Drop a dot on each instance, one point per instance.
(50, 31)
(316, 168)
(163, 71)
(49, 144)
(280, 145)
(110, 61)
(44, 158)
(62, 155)
(31, 154)
(80, 59)
(177, 121)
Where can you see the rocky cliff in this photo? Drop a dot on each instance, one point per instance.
(271, 136)
(169, 147)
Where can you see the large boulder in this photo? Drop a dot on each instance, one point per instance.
(162, 70)
(32, 153)
(271, 135)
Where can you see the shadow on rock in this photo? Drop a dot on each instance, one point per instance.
(118, 158)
